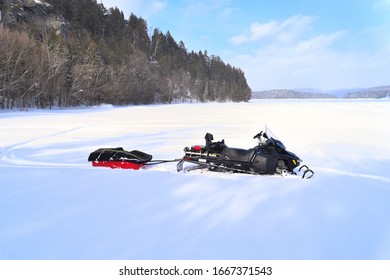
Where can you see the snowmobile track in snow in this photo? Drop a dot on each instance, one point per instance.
(354, 174)
(8, 157)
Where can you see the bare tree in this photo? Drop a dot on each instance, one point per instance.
(15, 49)
(50, 71)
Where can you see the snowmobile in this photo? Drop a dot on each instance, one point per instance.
(268, 157)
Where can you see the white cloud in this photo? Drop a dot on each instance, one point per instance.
(157, 6)
(282, 31)
(199, 8)
(140, 8)
(286, 55)
(322, 41)
(382, 4)
(308, 65)
(259, 31)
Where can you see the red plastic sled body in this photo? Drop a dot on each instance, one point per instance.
(117, 164)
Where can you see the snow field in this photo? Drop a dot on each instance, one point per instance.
(54, 205)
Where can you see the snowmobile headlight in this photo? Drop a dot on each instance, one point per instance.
(296, 162)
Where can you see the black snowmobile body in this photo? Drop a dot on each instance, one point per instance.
(268, 157)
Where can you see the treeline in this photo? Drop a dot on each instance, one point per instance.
(375, 92)
(77, 52)
(289, 94)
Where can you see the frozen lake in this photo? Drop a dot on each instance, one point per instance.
(54, 205)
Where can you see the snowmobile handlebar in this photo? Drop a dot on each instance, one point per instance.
(258, 135)
(261, 133)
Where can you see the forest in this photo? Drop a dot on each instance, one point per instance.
(59, 53)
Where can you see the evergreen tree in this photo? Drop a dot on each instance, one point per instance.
(105, 58)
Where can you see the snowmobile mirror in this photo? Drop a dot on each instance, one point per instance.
(258, 135)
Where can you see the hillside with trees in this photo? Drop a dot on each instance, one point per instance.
(375, 92)
(59, 53)
(371, 93)
(289, 94)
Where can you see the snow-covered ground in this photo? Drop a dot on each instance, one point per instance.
(54, 205)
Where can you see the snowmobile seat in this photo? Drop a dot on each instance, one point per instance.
(238, 154)
(216, 147)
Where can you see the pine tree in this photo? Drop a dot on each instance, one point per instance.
(105, 58)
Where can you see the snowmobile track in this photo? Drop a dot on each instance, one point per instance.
(9, 158)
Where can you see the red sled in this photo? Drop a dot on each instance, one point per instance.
(119, 158)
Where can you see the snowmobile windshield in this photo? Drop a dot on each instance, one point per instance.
(270, 134)
(273, 138)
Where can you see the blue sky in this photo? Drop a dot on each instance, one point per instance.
(328, 44)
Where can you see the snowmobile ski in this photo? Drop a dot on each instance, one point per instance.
(306, 171)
